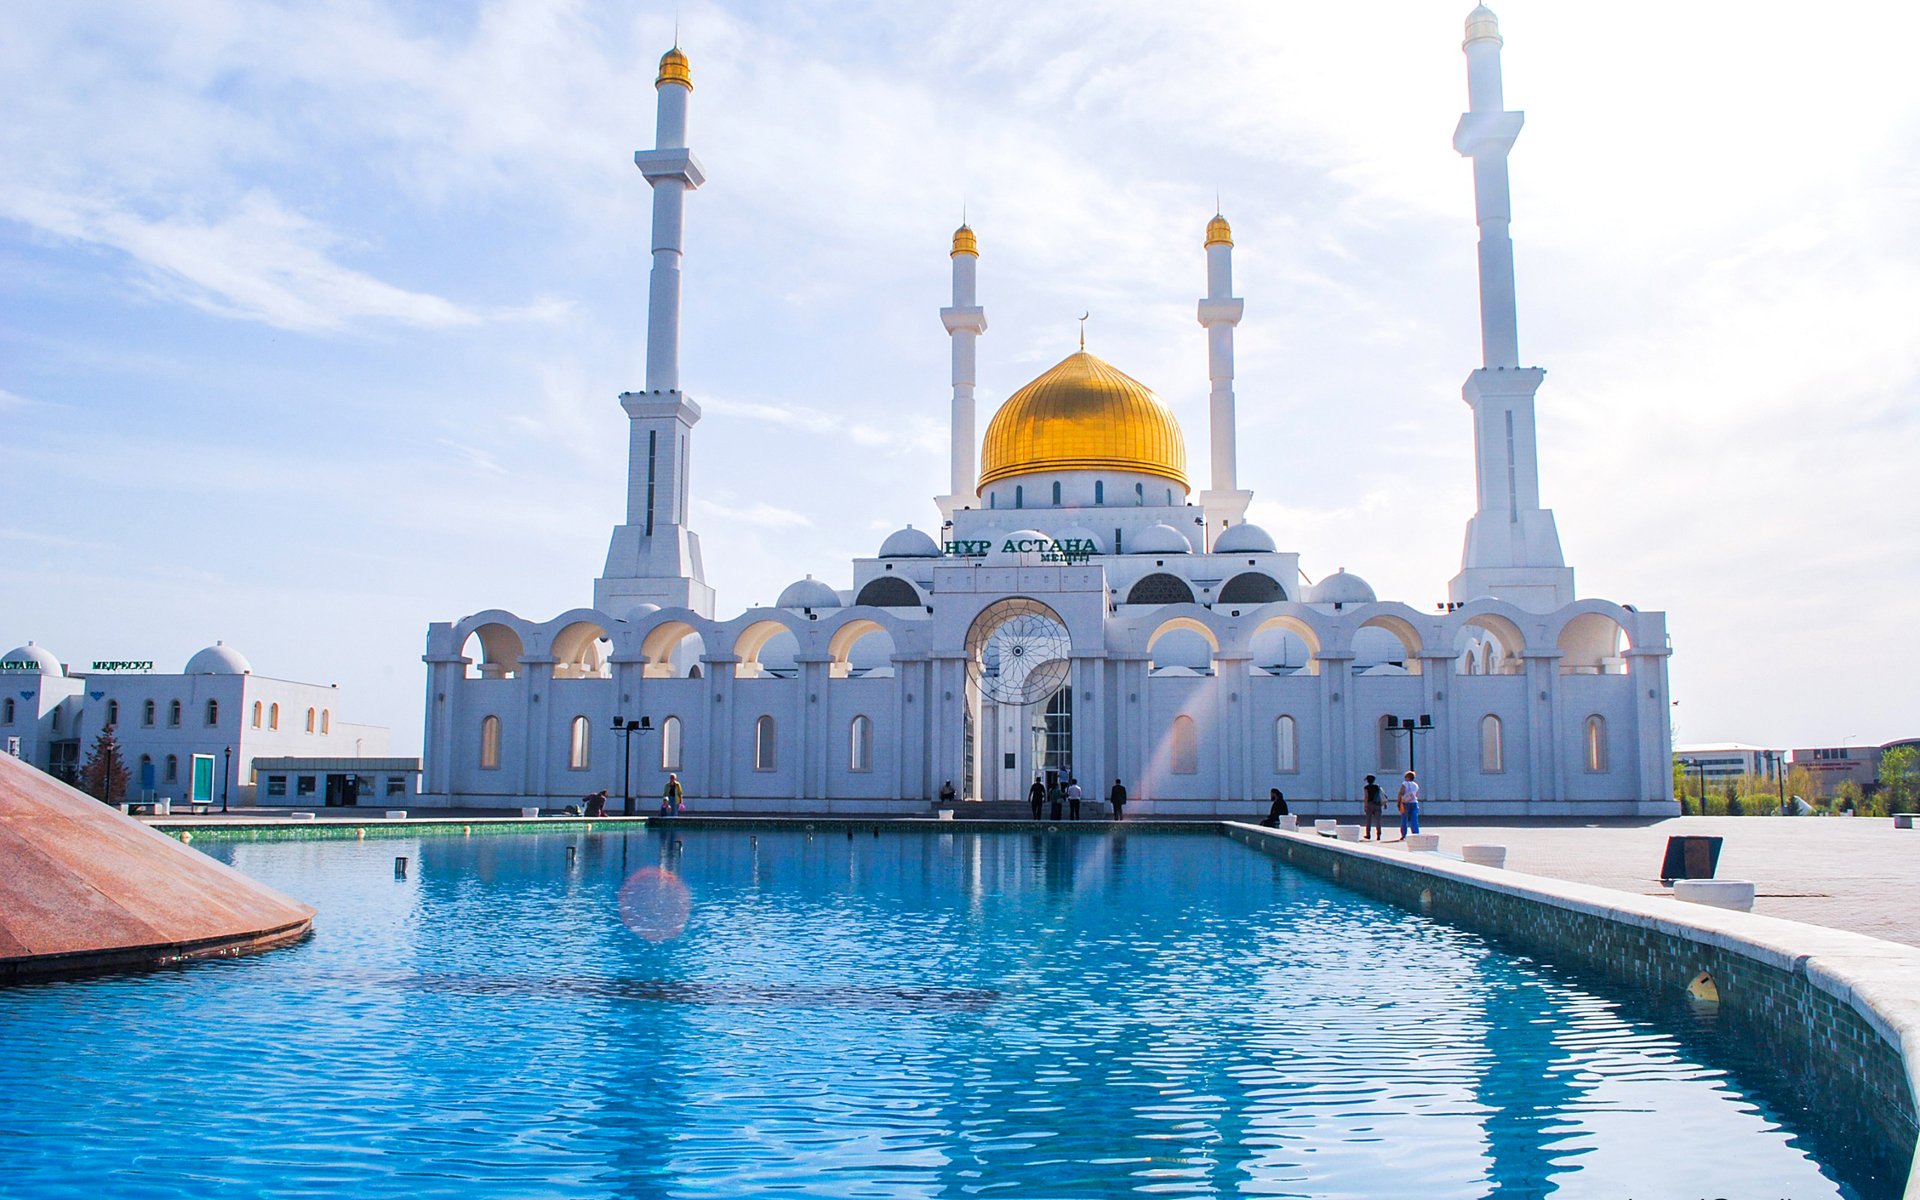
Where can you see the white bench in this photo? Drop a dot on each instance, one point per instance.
(1347, 833)
(1289, 821)
(1736, 894)
(1324, 826)
(1424, 841)
(299, 816)
(396, 814)
(1484, 855)
(529, 813)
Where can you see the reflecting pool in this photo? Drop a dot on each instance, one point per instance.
(713, 1013)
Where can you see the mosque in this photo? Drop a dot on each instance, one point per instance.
(1081, 610)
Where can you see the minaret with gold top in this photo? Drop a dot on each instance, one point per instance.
(1223, 502)
(1512, 547)
(655, 558)
(965, 321)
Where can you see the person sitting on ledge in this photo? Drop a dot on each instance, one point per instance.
(596, 803)
(1276, 810)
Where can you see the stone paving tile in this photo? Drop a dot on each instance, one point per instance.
(1855, 873)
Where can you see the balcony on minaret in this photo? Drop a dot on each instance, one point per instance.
(1480, 132)
(676, 164)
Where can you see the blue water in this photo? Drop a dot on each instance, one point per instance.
(904, 1015)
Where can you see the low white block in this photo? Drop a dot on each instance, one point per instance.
(1736, 894)
(127, 808)
(1427, 841)
(299, 816)
(163, 808)
(529, 812)
(1904, 820)
(1484, 856)
(1347, 833)
(946, 814)
(1289, 821)
(1322, 824)
(396, 814)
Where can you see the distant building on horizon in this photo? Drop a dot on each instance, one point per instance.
(192, 734)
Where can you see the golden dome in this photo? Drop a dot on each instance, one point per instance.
(1083, 415)
(1482, 26)
(963, 242)
(1219, 233)
(674, 69)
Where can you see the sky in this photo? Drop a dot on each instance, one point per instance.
(313, 315)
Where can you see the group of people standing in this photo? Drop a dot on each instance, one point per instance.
(1050, 797)
(1373, 803)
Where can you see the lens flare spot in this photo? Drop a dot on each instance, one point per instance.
(655, 904)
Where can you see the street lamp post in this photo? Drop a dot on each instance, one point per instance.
(626, 727)
(226, 779)
(1703, 785)
(1407, 728)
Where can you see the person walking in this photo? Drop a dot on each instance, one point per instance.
(1074, 796)
(1055, 796)
(1371, 805)
(672, 800)
(1036, 796)
(1118, 798)
(1409, 805)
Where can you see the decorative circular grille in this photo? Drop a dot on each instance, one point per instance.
(1019, 653)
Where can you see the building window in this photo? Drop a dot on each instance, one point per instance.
(149, 713)
(670, 744)
(396, 786)
(1019, 495)
(579, 744)
(303, 786)
(256, 714)
(1056, 493)
(860, 745)
(173, 713)
(273, 717)
(1390, 757)
(173, 767)
(276, 785)
(993, 499)
(113, 712)
(326, 720)
(1139, 493)
(1186, 748)
(1493, 753)
(1099, 491)
(310, 716)
(6, 711)
(146, 768)
(1596, 740)
(1286, 746)
(213, 712)
(763, 744)
(489, 743)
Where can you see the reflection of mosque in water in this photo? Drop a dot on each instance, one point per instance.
(1084, 610)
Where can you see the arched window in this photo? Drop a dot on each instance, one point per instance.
(993, 499)
(888, 591)
(6, 712)
(1186, 747)
(1286, 745)
(173, 768)
(579, 744)
(489, 743)
(1160, 588)
(273, 717)
(326, 719)
(113, 712)
(1251, 587)
(1019, 495)
(1493, 754)
(256, 714)
(149, 713)
(213, 712)
(763, 744)
(670, 744)
(310, 716)
(1596, 743)
(146, 765)
(1099, 491)
(860, 744)
(173, 712)
(1056, 493)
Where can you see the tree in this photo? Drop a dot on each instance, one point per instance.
(104, 775)
(1900, 778)
(1848, 797)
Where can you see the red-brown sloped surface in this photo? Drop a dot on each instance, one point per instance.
(82, 885)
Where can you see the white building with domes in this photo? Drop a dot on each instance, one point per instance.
(1082, 608)
(200, 732)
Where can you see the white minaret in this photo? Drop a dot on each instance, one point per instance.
(965, 321)
(654, 557)
(1223, 502)
(1512, 547)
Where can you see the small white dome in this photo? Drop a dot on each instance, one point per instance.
(639, 611)
(219, 659)
(43, 662)
(1159, 539)
(1340, 588)
(1000, 556)
(1243, 539)
(808, 593)
(909, 543)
